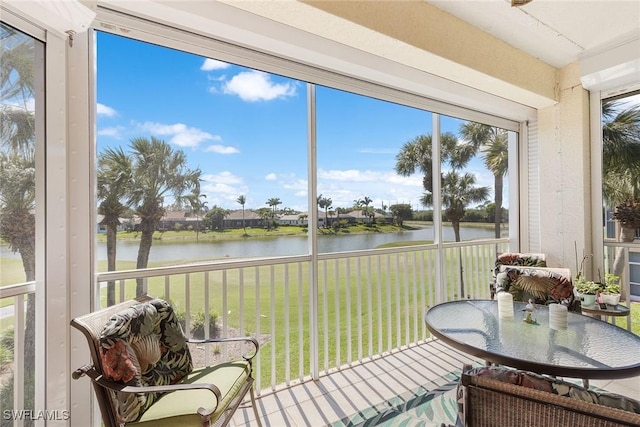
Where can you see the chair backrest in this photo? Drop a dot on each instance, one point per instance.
(138, 342)
(521, 259)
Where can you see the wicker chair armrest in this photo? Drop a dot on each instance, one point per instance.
(101, 380)
(247, 356)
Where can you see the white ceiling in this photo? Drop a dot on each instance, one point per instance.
(557, 32)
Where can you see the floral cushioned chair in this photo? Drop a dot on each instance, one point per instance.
(143, 374)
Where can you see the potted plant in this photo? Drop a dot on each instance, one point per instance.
(611, 293)
(587, 290)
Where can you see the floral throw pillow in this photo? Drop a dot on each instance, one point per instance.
(543, 285)
(143, 345)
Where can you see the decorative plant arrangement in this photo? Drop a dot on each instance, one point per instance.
(586, 289)
(610, 294)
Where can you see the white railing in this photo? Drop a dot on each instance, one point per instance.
(14, 314)
(368, 302)
(621, 249)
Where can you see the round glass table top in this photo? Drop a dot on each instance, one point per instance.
(588, 348)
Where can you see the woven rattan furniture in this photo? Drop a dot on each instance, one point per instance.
(589, 348)
(142, 371)
(488, 403)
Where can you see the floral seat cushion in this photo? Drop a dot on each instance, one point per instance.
(143, 346)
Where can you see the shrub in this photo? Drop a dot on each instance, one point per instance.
(198, 324)
(6, 346)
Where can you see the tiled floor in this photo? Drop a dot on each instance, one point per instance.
(351, 389)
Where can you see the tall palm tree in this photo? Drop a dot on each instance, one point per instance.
(158, 171)
(18, 172)
(367, 211)
(273, 204)
(242, 200)
(458, 191)
(113, 180)
(415, 156)
(325, 203)
(198, 207)
(621, 170)
(493, 142)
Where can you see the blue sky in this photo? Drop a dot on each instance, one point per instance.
(247, 130)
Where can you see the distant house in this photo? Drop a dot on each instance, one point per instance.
(234, 219)
(292, 219)
(103, 229)
(360, 217)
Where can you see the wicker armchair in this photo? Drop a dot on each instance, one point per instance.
(143, 375)
(488, 402)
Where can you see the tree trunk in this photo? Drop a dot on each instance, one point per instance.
(498, 186)
(27, 253)
(144, 249)
(111, 262)
(627, 235)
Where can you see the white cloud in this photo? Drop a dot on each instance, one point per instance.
(254, 86)
(103, 110)
(114, 132)
(295, 184)
(181, 134)
(225, 177)
(271, 177)
(355, 175)
(222, 149)
(213, 64)
(222, 189)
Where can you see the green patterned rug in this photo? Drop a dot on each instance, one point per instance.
(430, 405)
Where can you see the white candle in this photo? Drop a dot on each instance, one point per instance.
(505, 305)
(558, 314)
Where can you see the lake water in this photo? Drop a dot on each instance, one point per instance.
(272, 246)
(279, 246)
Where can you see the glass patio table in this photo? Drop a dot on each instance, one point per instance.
(589, 348)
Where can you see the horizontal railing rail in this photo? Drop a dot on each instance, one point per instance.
(369, 302)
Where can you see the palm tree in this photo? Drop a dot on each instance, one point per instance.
(198, 207)
(18, 172)
(363, 204)
(458, 191)
(273, 203)
(415, 155)
(157, 171)
(621, 171)
(325, 203)
(494, 145)
(114, 178)
(242, 200)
